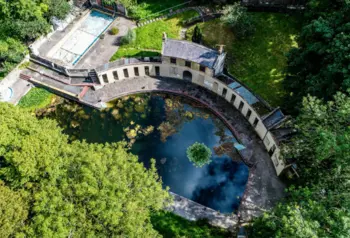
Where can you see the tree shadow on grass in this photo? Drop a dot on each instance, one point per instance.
(259, 60)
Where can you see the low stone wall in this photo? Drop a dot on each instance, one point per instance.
(158, 69)
(59, 68)
(193, 211)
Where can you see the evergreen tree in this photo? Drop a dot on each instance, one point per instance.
(199, 154)
(197, 35)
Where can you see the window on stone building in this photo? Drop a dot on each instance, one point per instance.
(188, 64)
(224, 92)
(249, 113)
(202, 68)
(272, 150)
(241, 104)
(147, 70)
(115, 75)
(105, 78)
(173, 60)
(136, 71)
(256, 121)
(126, 73)
(173, 70)
(233, 98)
(157, 71)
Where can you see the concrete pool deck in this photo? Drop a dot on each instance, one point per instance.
(101, 52)
(84, 34)
(68, 46)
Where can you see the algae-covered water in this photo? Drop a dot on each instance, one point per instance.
(162, 127)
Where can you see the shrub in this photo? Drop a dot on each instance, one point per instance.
(236, 17)
(128, 38)
(199, 154)
(114, 31)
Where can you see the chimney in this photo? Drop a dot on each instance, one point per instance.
(221, 49)
(164, 36)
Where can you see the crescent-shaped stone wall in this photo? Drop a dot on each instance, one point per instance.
(128, 69)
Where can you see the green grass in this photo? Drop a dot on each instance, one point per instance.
(171, 225)
(36, 98)
(130, 52)
(150, 8)
(149, 37)
(260, 60)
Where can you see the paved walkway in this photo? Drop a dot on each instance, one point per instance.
(104, 49)
(193, 211)
(19, 87)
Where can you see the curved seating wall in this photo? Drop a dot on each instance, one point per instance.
(112, 72)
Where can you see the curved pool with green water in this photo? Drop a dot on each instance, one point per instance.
(162, 127)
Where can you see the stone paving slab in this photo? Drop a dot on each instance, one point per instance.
(193, 211)
(20, 88)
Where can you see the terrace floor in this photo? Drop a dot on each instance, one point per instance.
(103, 50)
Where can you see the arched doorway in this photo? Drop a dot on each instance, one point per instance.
(187, 76)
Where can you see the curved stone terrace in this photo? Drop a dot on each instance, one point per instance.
(264, 188)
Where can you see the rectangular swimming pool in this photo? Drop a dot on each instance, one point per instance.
(83, 37)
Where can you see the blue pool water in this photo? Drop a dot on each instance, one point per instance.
(219, 185)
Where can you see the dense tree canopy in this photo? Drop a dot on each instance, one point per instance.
(320, 66)
(22, 21)
(319, 204)
(77, 189)
(13, 210)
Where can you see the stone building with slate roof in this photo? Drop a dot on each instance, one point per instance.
(193, 56)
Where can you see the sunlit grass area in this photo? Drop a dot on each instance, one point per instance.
(260, 60)
(36, 98)
(149, 37)
(147, 8)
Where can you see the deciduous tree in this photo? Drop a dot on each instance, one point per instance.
(76, 189)
(320, 65)
(319, 204)
(236, 17)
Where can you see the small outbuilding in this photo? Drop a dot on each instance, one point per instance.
(193, 55)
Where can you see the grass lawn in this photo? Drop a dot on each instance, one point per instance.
(258, 61)
(149, 37)
(149, 8)
(36, 98)
(171, 225)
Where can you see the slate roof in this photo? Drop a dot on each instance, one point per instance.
(190, 51)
